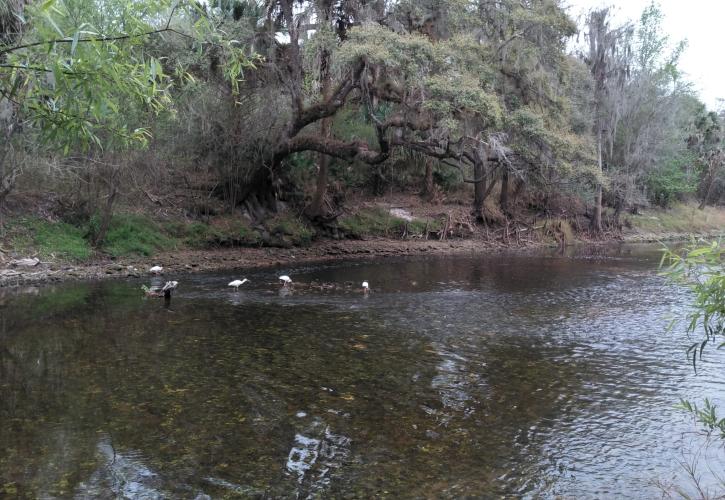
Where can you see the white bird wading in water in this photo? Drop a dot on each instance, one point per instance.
(156, 269)
(365, 287)
(237, 283)
(158, 291)
(285, 280)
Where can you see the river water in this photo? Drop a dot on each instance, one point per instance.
(456, 377)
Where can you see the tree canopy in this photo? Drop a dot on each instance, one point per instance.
(488, 90)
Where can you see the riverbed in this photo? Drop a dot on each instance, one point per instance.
(498, 375)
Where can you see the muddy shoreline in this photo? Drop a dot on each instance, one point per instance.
(188, 261)
(192, 261)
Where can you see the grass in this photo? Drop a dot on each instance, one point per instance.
(379, 222)
(222, 231)
(370, 222)
(135, 235)
(48, 239)
(417, 227)
(290, 229)
(682, 218)
(132, 234)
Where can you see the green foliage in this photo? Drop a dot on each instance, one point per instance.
(370, 222)
(289, 230)
(50, 239)
(135, 235)
(700, 267)
(448, 178)
(225, 232)
(418, 227)
(451, 74)
(80, 74)
(379, 222)
(672, 181)
(707, 415)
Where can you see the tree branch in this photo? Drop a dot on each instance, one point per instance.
(328, 107)
(94, 39)
(349, 151)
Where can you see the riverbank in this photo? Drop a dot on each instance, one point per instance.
(55, 255)
(240, 259)
(191, 261)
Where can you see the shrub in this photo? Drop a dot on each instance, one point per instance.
(290, 230)
(671, 182)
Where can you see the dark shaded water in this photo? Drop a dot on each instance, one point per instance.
(487, 376)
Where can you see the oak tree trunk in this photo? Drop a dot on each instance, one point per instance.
(317, 207)
(712, 171)
(428, 178)
(596, 223)
(504, 198)
(479, 187)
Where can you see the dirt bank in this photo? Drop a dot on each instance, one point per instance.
(188, 261)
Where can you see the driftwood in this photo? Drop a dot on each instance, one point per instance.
(29, 262)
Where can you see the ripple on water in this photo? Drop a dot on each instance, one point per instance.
(454, 378)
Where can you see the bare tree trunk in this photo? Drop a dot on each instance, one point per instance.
(428, 178)
(520, 184)
(479, 187)
(7, 183)
(712, 171)
(107, 211)
(504, 198)
(317, 207)
(596, 223)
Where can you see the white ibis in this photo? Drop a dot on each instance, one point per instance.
(156, 269)
(164, 291)
(237, 283)
(365, 286)
(285, 280)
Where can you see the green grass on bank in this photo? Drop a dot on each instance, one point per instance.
(138, 235)
(370, 222)
(683, 218)
(48, 240)
(379, 222)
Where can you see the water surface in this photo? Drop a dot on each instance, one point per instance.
(486, 376)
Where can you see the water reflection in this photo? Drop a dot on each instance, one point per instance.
(525, 376)
(316, 457)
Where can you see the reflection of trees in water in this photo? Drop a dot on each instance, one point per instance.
(207, 395)
(491, 397)
(316, 458)
(197, 402)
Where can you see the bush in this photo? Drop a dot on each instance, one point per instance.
(447, 178)
(290, 230)
(671, 182)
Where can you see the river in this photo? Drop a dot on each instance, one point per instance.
(510, 375)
